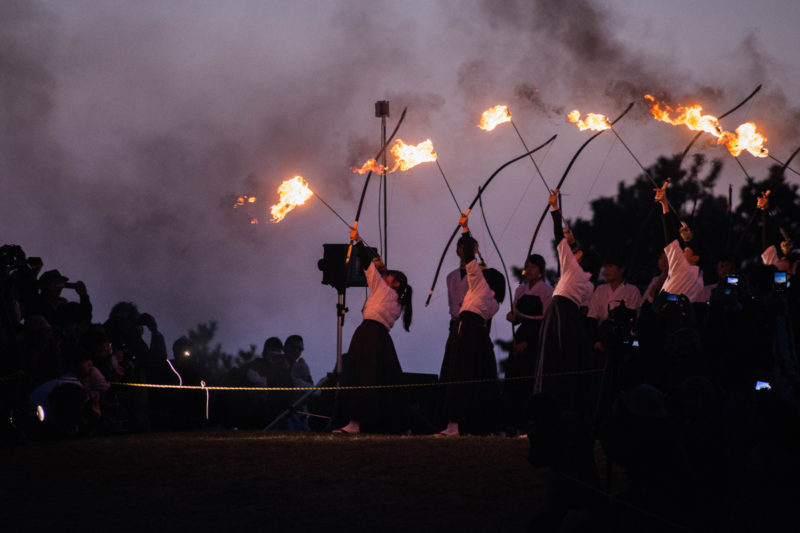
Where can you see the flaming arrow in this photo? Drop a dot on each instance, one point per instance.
(471, 205)
(686, 151)
(369, 175)
(499, 114)
(564, 176)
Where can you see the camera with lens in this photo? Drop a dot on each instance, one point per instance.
(618, 332)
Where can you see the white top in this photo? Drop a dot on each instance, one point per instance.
(479, 298)
(456, 290)
(381, 304)
(770, 256)
(540, 289)
(574, 283)
(683, 278)
(604, 297)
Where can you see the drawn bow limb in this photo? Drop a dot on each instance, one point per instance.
(472, 204)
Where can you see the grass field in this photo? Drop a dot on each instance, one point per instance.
(263, 481)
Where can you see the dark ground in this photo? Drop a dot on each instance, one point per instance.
(263, 481)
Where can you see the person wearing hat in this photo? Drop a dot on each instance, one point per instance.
(55, 308)
(473, 408)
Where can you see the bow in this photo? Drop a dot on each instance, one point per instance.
(471, 205)
(500, 256)
(369, 175)
(682, 157)
(564, 176)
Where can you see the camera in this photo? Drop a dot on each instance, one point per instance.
(763, 385)
(70, 285)
(780, 282)
(672, 297)
(733, 281)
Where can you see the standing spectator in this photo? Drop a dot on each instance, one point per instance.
(531, 300)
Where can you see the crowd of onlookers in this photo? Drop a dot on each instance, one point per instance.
(699, 402)
(64, 373)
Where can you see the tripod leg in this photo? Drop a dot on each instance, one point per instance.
(295, 404)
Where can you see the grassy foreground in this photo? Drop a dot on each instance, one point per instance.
(265, 481)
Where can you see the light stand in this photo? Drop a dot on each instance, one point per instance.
(382, 112)
(339, 274)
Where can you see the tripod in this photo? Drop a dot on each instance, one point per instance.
(334, 378)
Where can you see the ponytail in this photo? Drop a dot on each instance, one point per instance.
(404, 293)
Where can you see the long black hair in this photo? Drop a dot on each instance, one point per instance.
(404, 293)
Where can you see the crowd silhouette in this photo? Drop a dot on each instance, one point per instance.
(695, 393)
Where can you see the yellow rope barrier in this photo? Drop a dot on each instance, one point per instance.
(353, 387)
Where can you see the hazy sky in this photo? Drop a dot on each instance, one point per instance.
(128, 128)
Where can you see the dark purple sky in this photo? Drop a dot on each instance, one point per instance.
(126, 128)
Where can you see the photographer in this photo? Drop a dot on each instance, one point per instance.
(55, 308)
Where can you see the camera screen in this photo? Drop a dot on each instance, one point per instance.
(733, 280)
(762, 385)
(672, 297)
(780, 277)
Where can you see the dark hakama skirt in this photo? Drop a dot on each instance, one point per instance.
(563, 349)
(470, 356)
(520, 372)
(372, 360)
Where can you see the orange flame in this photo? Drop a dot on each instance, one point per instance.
(408, 156)
(493, 117)
(292, 193)
(370, 165)
(593, 121)
(745, 138)
(240, 201)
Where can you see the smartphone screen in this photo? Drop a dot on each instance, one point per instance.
(733, 280)
(762, 385)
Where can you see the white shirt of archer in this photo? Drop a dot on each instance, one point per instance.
(456, 290)
(770, 256)
(604, 297)
(479, 298)
(381, 304)
(574, 283)
(683, 278)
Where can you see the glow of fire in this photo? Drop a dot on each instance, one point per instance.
(493, 117)
(291, 193)
(408, 156)
(240, 201)
(593, 121)
(370, 165)
(745, 137)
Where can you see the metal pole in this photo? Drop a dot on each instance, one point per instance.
(382, 112)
